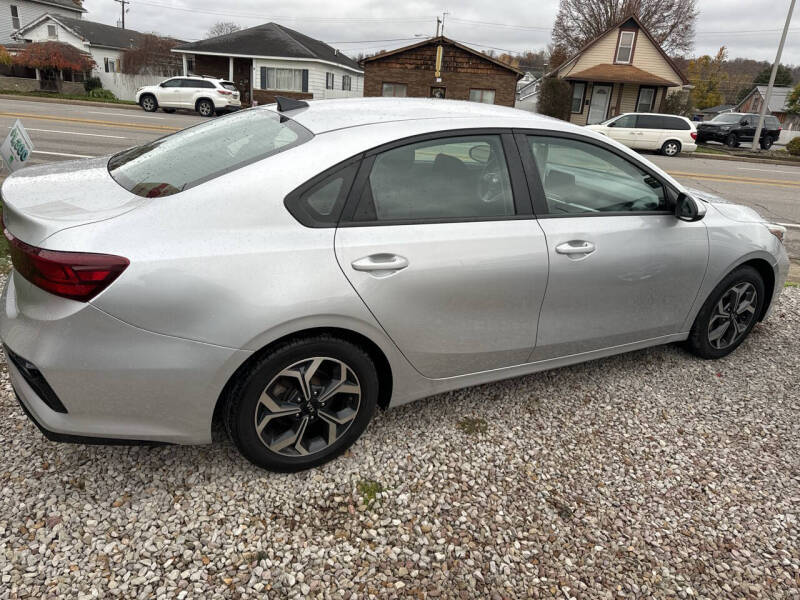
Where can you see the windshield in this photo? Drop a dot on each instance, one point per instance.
(195, 155)
(727, 118)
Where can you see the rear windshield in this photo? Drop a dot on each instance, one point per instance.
(228, 85)
(195, 155)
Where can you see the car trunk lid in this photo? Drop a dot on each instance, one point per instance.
(42, 200)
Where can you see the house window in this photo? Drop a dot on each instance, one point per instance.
(397, 90)
(578, 96)
(288, 80)
(647, 96)
(625, 48)
(485, 96)
(106, 64)
(52, 32)
(346, 83)
(14, 17)
(438, 92)
(329, 81)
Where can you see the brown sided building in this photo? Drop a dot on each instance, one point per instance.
(440, 68)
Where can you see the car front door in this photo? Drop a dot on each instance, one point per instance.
(439, 242)
(170, 93)
(624, 130)
(623, 268)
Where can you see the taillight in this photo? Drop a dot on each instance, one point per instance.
(694, 135)
(224, 92)
(75, 275)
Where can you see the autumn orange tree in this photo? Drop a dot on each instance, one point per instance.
(5, 57)
(54, 55)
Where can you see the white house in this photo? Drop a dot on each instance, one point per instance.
(16, 13)
(270, 59)
(105, 43)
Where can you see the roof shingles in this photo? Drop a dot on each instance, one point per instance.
(621, 74)
(273, 40)
(98, 34)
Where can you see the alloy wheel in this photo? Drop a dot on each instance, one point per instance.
(148, 104)
(733, 315)
(670, 148)
(307, 406)
(204, 109)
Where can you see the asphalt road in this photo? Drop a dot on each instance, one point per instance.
(64, 132)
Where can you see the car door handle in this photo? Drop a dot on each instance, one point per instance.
(380, 262)
(576, 247)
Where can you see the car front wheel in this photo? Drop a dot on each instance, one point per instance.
(148, 103)
(671, 148)
(302, 404)
(205, 108)
(728, 315)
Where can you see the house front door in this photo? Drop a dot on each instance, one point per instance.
(601, 96)
(242, 71)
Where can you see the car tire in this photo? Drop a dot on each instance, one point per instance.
(731, 141)
(767, 142)
(149, 103)
(700, 140)
(205, 108)
(281, 424)
(671, 148)
(728, 315)
(168, 110)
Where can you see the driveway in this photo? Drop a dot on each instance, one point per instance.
(648, 475)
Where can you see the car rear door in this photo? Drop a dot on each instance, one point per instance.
(623, 268)
(650, 131)
(439, 241)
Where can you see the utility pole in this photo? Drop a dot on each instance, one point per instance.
(765, 105)
(444, 14)
(438, 22)
(122, 5)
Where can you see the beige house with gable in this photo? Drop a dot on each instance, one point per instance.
(622, 70)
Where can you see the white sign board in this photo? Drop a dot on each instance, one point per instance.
(17, 147)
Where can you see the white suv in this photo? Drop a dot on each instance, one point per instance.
(206, 95)
(668, 134)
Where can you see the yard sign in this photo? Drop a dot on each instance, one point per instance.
(17, 147)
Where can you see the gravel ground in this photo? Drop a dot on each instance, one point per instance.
(652, 474)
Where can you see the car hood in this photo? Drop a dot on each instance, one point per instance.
(734, 212)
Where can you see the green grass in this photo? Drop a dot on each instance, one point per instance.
(369, 489)
(791, 284)
(40, 94)
(708, 150)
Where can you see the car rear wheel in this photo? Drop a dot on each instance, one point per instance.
(731, 141)
(671, 148)
(766, 143)
(302, 404)
(728, 315)
(149, 103)
(205, 108)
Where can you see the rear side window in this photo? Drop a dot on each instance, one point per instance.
(319, 202)
(650, 122)
(676, 124)
(197, 83)
(190, 157)
(228, 85)
(451, 178)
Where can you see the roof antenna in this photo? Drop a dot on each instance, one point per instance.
(287, 104)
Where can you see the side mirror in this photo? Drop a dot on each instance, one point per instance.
(688, 209)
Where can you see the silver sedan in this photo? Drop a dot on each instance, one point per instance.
(290, 268)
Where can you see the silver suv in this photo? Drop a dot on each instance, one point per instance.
(207, 95)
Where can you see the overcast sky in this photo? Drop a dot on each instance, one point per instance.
(749, 28)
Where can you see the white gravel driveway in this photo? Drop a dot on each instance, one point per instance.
(652, 474)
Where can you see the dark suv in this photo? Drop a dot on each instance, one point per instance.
(733, 128)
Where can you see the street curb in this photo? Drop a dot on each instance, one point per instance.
(69, 101)
(762, 161)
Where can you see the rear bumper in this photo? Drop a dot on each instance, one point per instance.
(116, 382)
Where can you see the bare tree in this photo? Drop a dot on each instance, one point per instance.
(222, 28)
(671, 22)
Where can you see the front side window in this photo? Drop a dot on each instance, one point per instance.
(328, 81)
(625, 48)
(578, 94)
(346, 83)
(190, 157)
(451, 178)
(287, 80)
(646, 97)
(172, 83)
(625, 121)
(397, 90)
(484, 96)
(581, 178)
(14, 17)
